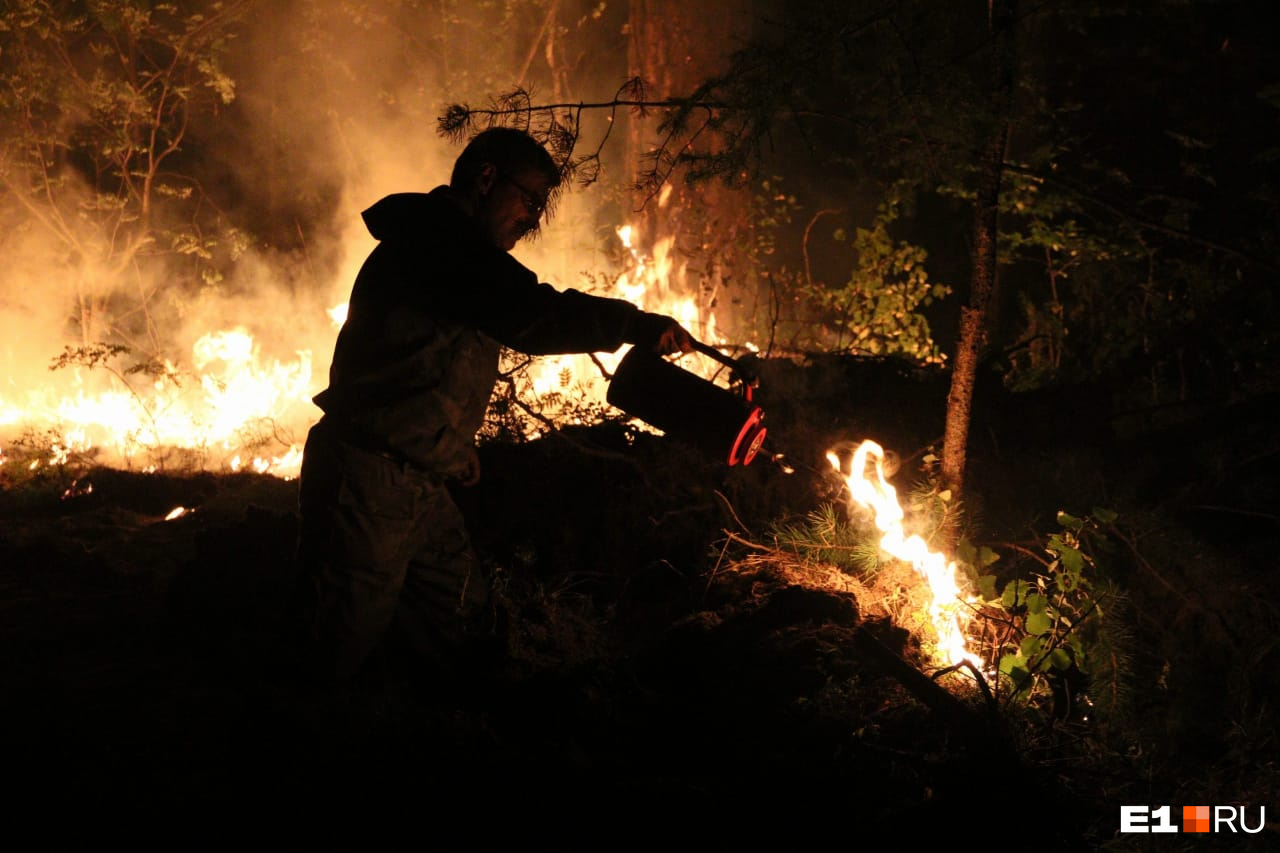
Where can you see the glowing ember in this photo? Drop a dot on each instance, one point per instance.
(949, 610)
(176, 512)
(77, 489)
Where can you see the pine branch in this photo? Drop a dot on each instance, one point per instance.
(1141, 222)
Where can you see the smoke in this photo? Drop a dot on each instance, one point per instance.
(34, 302)
(335, 106)
(344, 99)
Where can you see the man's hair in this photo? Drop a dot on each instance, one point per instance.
(507, 148)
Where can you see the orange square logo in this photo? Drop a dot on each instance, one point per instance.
(1195, 819)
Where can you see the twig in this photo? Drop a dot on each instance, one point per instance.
(1055, 643)
(984, 735)
(729, 507)
(804, 242)
(1142, 561)
(1022, 549)
(533, 47)
(979, 678)
(1248, 513)
(741, 541)
(1196, 605)
(604, 371)
(1141, 222)
(711, 576)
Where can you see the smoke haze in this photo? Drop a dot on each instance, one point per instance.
(335, 106)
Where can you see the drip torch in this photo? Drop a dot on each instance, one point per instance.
(723, 423)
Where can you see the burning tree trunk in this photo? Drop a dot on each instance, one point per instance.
(984, 278)
(675, 47)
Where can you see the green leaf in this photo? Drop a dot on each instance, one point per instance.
(1069, 521)
(1030, 647)
(1038, 623)
(1015, 594)
(1060, 659)
(1011, 662)
(1105, 516)
(987, 587)
(1015, 666)
(1072, 560)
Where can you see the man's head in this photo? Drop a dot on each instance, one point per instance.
(505, 179)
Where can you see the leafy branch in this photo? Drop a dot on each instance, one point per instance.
(1042, 628)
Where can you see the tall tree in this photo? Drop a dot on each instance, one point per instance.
(674, 47)
(983, 277)
(97, 100)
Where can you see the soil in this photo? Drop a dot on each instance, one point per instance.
(654, 670)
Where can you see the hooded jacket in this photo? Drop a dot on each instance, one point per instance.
(417, 358)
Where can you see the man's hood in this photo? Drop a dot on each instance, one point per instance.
(411, 215)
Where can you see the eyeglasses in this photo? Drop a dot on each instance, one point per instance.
(536, 203)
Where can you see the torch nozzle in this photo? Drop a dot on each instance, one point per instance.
(779, 459)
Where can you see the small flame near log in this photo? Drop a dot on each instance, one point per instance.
(950, 610)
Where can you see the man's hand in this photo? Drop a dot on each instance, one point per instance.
(660, 333)
(674, 339)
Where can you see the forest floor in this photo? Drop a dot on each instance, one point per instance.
(667, 664)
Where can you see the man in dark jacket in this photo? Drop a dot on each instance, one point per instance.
(381, 539)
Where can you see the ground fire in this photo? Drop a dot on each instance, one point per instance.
(236, 409)
(949, 608)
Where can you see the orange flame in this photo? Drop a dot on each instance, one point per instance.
(949, 609)
(652, 282)
(228, 403)
(237, 395)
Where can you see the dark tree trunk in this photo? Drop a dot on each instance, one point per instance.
(973, 317)
(984, 277)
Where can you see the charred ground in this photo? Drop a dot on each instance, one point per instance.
(653, 667)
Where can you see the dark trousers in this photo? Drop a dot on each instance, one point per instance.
(382, 546)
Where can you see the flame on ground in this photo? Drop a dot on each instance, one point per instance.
(230, 408)
(949, 608)
(230, 400)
